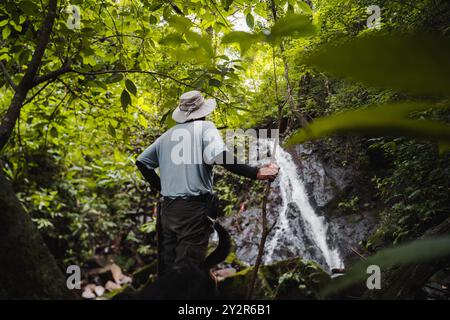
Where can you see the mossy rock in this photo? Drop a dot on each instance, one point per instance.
(287, 279)
(142, 276)
(112, 294)
(233, 261)
(236, 286)
(303, 283)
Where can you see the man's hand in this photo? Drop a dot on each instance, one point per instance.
(268, 172)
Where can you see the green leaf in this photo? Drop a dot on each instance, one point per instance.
(131, 87)
(142, 121)
(6, 32)
(111, 130)
(413, 252)
(125, 99)
(378, 121)
(29, 7)
(153, 19)
(16, 27)
(293, 25)
(115, 77)
(203, 42)
(215, 82)
(180, 23)
(227, 4)
(305, 7)
(242, 109)
(416, 64)
(250, 20)
(244, 39)
(54, 132)
(165, 115)
(155, 6)
(172, 39)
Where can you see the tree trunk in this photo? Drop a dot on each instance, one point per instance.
(27, 81)
(289, 93)
(27, 269)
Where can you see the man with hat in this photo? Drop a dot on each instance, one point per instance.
(185, 155)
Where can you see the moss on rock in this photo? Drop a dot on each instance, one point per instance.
(293, 278)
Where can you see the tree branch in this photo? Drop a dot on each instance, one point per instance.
(27, 82)
(153, 73)
(53, 74)
(118, 36)
(7, 76)
(37, 93)
(176, 8)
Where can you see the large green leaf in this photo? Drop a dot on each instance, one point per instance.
(131, 87)
(292, 25)
(417, 64)
(202, 41)
(180, 23)
(378, 121)
(125, 99)
(250, 20)
(174, 39)
(244, 39)
(413, 252)
(29, 7)
(305, 7)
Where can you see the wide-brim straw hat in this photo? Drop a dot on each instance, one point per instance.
(192, 106)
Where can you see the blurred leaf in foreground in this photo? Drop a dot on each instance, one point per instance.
(383, 120)
(244, 39)
(417, 64)
(413, 252)
(293, 25)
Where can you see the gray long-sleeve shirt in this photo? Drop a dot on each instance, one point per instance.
(185, 154)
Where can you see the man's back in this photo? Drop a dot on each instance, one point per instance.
(184, 155)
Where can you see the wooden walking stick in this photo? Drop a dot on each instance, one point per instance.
(264, 233)
(265, 228)
(159, 263)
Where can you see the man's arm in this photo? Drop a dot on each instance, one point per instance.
(266, 172)
(146, 162)
(150, 176)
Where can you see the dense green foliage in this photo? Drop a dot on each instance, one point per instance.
(71, 155)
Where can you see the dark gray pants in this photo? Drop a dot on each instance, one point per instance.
(185, 232)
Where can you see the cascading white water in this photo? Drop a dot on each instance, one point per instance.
(298, 227)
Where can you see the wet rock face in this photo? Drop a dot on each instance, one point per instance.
(325, 184)
(348, 231)
(245, 230)
(344, 232)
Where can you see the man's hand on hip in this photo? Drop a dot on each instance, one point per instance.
(268, 172)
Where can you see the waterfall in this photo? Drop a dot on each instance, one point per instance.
(299, 230)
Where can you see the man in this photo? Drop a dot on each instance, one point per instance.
(185, 155)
